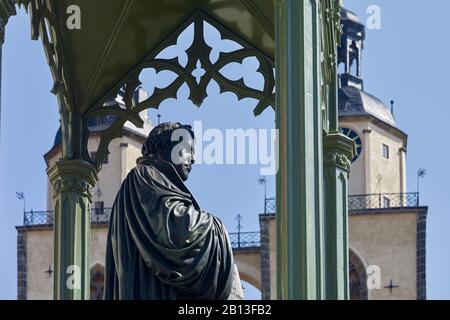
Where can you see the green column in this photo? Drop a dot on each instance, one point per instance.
(338, 149)
(72, 179)
(72, 182)
(299, 179)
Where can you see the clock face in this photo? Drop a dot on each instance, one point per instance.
(354, 136)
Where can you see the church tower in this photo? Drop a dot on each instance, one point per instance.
(387, 225)
(349, 55)
(380, 164)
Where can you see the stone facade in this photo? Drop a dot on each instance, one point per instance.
(372, 173)
(35, 261)
(248, 262)
(264, 224)
(21, 264)
(385, 238)
(421, 255)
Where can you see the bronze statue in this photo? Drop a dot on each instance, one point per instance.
(160, 244)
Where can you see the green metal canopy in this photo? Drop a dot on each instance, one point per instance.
(116, 35)
(118, 39)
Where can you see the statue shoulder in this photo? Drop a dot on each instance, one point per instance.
(218, 221)
(149, 172)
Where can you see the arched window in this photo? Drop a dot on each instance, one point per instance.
(357, 277)
(97, 281)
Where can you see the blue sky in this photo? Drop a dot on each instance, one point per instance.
(406, 60)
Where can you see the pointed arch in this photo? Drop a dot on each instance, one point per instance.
(357, 276)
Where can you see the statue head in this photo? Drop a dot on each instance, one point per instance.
(174, 143)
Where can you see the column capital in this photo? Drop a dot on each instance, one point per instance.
(338, 151)
(72, 176)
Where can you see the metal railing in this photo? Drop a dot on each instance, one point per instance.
(367, 201)
(100, 215)
(383, 201)
(245, 240)
(270, 206)
(36, 218)
(250, 239)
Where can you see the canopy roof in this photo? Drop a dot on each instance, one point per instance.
(116, 35)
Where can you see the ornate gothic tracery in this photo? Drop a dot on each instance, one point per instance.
(197, 71)
(195, 65)
(330, 39)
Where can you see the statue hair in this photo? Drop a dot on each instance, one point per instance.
(160, 138)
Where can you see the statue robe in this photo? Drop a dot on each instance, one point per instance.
(160, 244)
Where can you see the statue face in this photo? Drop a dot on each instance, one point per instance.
(182, 157)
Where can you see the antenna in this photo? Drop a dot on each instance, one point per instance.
(21, 196)
(263, 180)
(239, 226)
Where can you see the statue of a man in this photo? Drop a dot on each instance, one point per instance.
(160, 244)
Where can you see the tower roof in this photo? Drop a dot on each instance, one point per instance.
(354, 101)
(347, 15)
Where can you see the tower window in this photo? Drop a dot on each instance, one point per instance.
(385, 151)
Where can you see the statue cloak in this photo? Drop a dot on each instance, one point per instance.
(160, 244)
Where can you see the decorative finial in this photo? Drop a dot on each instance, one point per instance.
(239, 225)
